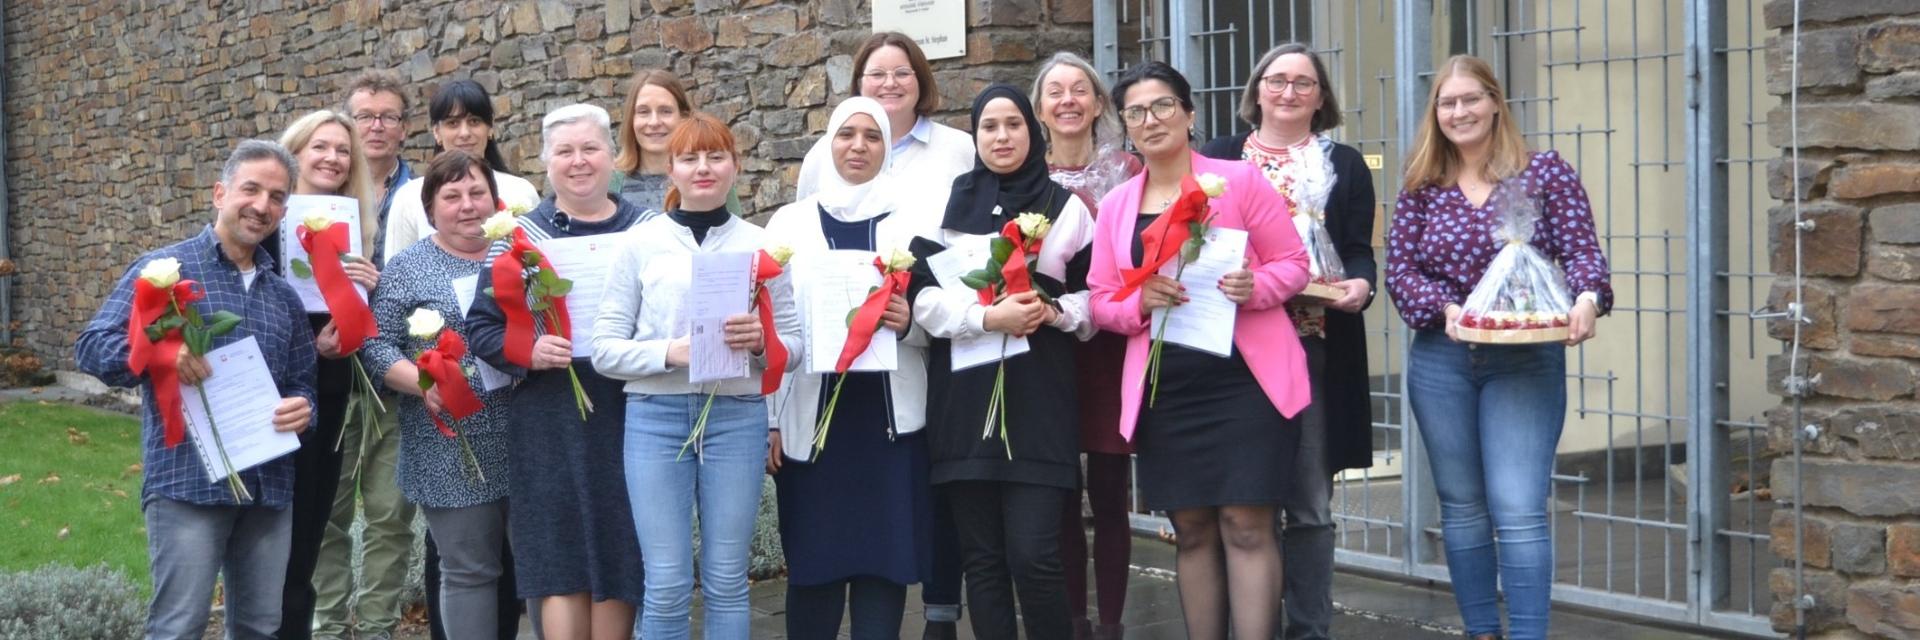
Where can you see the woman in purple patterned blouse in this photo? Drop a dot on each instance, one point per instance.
(1489, 415)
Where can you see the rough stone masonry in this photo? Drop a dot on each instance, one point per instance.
(118, 113)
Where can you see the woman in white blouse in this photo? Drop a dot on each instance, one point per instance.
(463, 120)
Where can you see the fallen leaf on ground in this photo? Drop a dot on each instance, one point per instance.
(64, 532)
(77, 436)
(51, 478)
(9, 479)
(131, 470)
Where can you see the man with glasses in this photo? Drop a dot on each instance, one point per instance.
(377, 103)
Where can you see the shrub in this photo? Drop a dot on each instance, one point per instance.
(66, 603)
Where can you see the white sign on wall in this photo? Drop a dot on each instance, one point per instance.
(938, 26)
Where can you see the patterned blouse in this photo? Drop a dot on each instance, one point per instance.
(1309, 319)
(433, 470)
(1440, 244)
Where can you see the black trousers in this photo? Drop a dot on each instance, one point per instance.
(316, 476)
(814, 611)
(943, 587)
(1010, 544)
(511, 607)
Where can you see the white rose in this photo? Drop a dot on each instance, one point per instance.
(520, 208)
(1212, 184)
(162, 273)
(1034, 226)
(317, 223)
(499, 226)
(780, 254)
(425, 323)
(900, 260)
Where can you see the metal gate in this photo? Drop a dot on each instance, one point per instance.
(1660, 505)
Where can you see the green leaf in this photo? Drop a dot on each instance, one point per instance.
(223, 322)
(1190, 250)
(560, 287)
(532, 256)
(154, 333)
(537, 289)
(301, 269)
(426, 383)
(540, 304)
(546, 277)
(170, 321)
(1002, 249)
(974, 282)
(488, 291)
(850, 314)
(192, 314)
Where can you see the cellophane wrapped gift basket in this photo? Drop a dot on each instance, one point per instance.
(1523, 297)
(1308, 187)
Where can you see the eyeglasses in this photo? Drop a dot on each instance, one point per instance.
(879, 76)
(1278, 84)
(367, 119)
(1161, 109)
(1456, 103)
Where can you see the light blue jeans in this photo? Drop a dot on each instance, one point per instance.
(190, 546)
(721, 475)
(1490, 417)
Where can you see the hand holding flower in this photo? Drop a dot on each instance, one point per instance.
(743, 332)
(1161, 292)
(897, 315)
(552, 352)
(193, 369)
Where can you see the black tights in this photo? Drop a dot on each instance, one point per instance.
(1227, 560)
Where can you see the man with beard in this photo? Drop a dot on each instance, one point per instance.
(198, 530)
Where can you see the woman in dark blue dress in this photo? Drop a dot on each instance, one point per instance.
(856, 513)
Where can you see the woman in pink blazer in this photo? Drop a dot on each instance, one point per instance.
(1214, 444)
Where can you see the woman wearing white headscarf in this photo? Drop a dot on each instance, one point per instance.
(856, 513)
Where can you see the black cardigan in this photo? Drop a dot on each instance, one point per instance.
(1350, 209)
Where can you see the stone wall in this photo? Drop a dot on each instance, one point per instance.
(119, 113)
(1859, 132)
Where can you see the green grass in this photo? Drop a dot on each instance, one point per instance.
(95, 500)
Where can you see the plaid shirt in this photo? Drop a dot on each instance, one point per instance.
(271, 313)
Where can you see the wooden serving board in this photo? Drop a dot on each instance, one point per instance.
(1512, 336)
(1324, 292)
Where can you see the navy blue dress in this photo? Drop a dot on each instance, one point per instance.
(864, 506)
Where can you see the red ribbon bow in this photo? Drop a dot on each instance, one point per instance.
(765, 269)
(159, 360)
(1014, 275)
(866, 321)
(350, 314)
(441, 364)
(1163, 238)
(510, 291)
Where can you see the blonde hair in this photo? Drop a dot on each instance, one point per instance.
(1436, 161)
(359, 184)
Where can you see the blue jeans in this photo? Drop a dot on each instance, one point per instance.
(190, 546)
(721, 474)
(1490, 417)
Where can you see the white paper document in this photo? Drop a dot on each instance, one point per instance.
(1205, 321)
(966, 353)
(243, 397)
(585, 261)
(295, 263)
(491, 379)
(833, 284)
(720, 288)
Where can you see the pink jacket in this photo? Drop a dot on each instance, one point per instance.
(1262, 332)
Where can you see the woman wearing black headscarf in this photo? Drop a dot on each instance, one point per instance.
(1007, 484)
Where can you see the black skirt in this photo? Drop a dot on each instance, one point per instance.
(1212, 438)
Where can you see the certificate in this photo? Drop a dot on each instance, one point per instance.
(243, 397)
(1205, 321)
(832, 284)
(491, 379)
(585, 261)
(719, 289)
(947, 267)
(295, 263)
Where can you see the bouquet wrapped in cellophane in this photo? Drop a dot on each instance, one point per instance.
(1308, 186)
(1523, 296)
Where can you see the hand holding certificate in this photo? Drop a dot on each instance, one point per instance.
(719, 290)
(1205, 321)
(526, 283)
(302, 267)
(233, 424)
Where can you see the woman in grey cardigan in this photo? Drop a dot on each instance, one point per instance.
(641, 336)
(466, 507)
